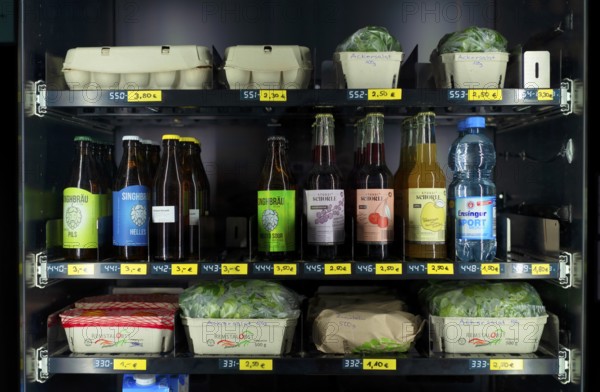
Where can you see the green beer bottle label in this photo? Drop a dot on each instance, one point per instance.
(277, 221)
(81, 210)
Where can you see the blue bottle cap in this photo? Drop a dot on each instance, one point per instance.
(475, 122)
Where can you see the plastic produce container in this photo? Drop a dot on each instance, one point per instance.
(138, 67)
(129, 301)
(490, 335)
(367, 69)
(266, 67)
(470, 70)
(239, 336)
(96, 331)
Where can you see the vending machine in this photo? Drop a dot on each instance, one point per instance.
(344, 234)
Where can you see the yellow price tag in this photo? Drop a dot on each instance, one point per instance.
(440, 269)
(285, 269)
(540, 269)
(144, 96)
(338, 268)
(129, 364)
(384, 94)
(506, 364)
(388, 269)
(379, 364)
(490, 269)
(485, 95)
(545, 95)
(234, 269)
(134, 269)
(80, 269)
(256, 364)
(273, 95)
(184, 269)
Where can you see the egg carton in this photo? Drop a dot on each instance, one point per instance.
(138, 67)
(266, 67)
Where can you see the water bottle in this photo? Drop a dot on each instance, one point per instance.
(475, 194)
(451, 211)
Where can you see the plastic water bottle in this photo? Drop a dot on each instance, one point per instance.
(475, 194)
(451, 210)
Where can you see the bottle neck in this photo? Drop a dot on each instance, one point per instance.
(324, 144)
(426, 150)
(375, 152)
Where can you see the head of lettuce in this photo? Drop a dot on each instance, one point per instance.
(370, 39)
(473, 39)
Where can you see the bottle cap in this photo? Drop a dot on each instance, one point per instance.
(188, 139)
(146, 141)
(82, 139)
(145, 379)
(460, 126)
(170, 136)
(130, 137)
(277, 138)
(475, 122)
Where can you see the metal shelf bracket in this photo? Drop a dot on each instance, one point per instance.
(40, 271)
(569, 369)
(566, 91)
(39, 366)
(39, 105)
(564, 278)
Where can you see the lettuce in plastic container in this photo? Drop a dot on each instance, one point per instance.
(482, 299)
(370, 39)
(472, 39)
(247, 299)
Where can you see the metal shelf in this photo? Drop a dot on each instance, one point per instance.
(119, 105)
(409, 364)
(342, 270)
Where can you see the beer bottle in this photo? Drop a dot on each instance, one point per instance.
(425, 201)
(374, 187)
(170, 197)
(131, 204)
(81, 205)
(324, 195)
(190, 165)
(205, 209)
(276, 204)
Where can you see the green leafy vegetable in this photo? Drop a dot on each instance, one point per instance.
(370, 39)
(239, 299)
(482, 299)
(473, 39)
(382, 345)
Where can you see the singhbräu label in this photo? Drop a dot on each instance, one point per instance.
(276, 221)
(81, 210)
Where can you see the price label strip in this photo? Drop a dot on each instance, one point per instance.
(506, 364)
(285, 269)
(379, 364)
(144, 96)
(256, 364)
(484, 95)
(273, 95)
(129, 364)
(184, 269)
(490, 269)
(80, 269)
(388, 269)
(338, 268)
(134, 269)
(234, 269)
(440, 269)
(384, 94)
